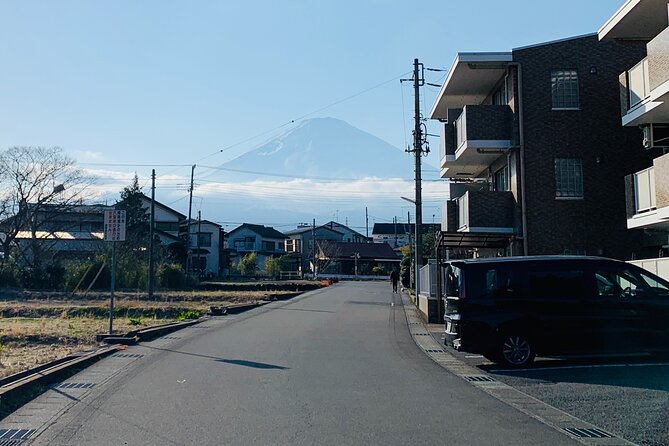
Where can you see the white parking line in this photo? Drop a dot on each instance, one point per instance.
(591, 366)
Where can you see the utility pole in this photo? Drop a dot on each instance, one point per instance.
(366, 225)
(313, 246)
(199, 230)
(190, 207)
(418, 81)
(151, 243)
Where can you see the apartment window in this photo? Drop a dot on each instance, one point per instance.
(638, 81)
(564, 89)
(499, 97)
(644, 190)
(502, 179)
(568, 178)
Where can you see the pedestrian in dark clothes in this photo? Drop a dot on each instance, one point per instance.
(394, 278)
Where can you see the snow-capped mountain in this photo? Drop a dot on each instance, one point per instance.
(323, 148)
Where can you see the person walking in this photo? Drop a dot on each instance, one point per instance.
(394, 278)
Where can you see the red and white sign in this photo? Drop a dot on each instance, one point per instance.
(114, 226)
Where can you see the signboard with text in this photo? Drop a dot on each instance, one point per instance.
(114, 226)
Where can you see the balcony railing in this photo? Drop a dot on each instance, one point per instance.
(639, 83)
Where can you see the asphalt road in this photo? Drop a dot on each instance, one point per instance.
(335, 367)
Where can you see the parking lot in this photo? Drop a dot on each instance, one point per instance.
(626, 395)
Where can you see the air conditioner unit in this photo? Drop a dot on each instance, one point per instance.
(655, 135)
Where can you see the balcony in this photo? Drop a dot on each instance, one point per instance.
(647, 196)
(479, 135)
(480, 211)
(645, 87)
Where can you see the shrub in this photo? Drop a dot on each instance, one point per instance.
(135, 321)
(170, 276)
(188, 314)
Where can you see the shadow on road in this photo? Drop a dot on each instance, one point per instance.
(301, 309)
(244, 363)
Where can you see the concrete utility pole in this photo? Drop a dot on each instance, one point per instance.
(313, 246)
(366, 225)
(152, 266)
(190, 208)
(418, 81)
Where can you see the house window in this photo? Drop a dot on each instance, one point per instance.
(204, 239)
(167, 226)
(245, 244)
(564, 89)
(268, 246)
(502, 179)
(568, 178)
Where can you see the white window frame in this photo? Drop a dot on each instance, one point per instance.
(569, 179)
(565, 84)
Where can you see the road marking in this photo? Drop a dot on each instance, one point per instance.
(473, 356)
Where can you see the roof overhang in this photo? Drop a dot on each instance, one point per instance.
(636, 19)
(472, 240)
(470, 80)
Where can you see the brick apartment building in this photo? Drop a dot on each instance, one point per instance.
(532, 142)
(644, 90)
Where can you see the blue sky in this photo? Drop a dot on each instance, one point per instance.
(167, 82)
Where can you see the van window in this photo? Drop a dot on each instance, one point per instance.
(557, 284)
(453, 276)
(499, 282)
(628, 283)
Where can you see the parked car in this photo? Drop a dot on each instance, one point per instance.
(510, 309)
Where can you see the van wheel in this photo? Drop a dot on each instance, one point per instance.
(515, 350)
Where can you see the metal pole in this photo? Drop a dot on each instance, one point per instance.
(151, 244)
(113, 285)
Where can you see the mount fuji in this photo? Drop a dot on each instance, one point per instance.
(322, 149)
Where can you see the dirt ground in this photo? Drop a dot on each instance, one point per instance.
(38, 327)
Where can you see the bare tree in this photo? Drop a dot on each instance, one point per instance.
(36, 184)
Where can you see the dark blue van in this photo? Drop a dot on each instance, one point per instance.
(510, 309)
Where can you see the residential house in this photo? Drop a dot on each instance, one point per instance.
(532, 145)
(399, 234)
(75, 231)
(169, 224)
(348, 234)
(300, 243)
(205, 247)
(355, 259)
(644, 92)
(265, 241)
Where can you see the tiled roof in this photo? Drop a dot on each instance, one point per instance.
(263, 231)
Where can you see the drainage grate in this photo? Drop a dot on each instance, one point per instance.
(421, 334)
(126, 355)
(75, 385)
(170, 337)
(434, 351)
(14, 437)
(581, 432)
(478, 378)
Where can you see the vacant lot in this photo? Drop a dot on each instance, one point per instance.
(37, 327)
